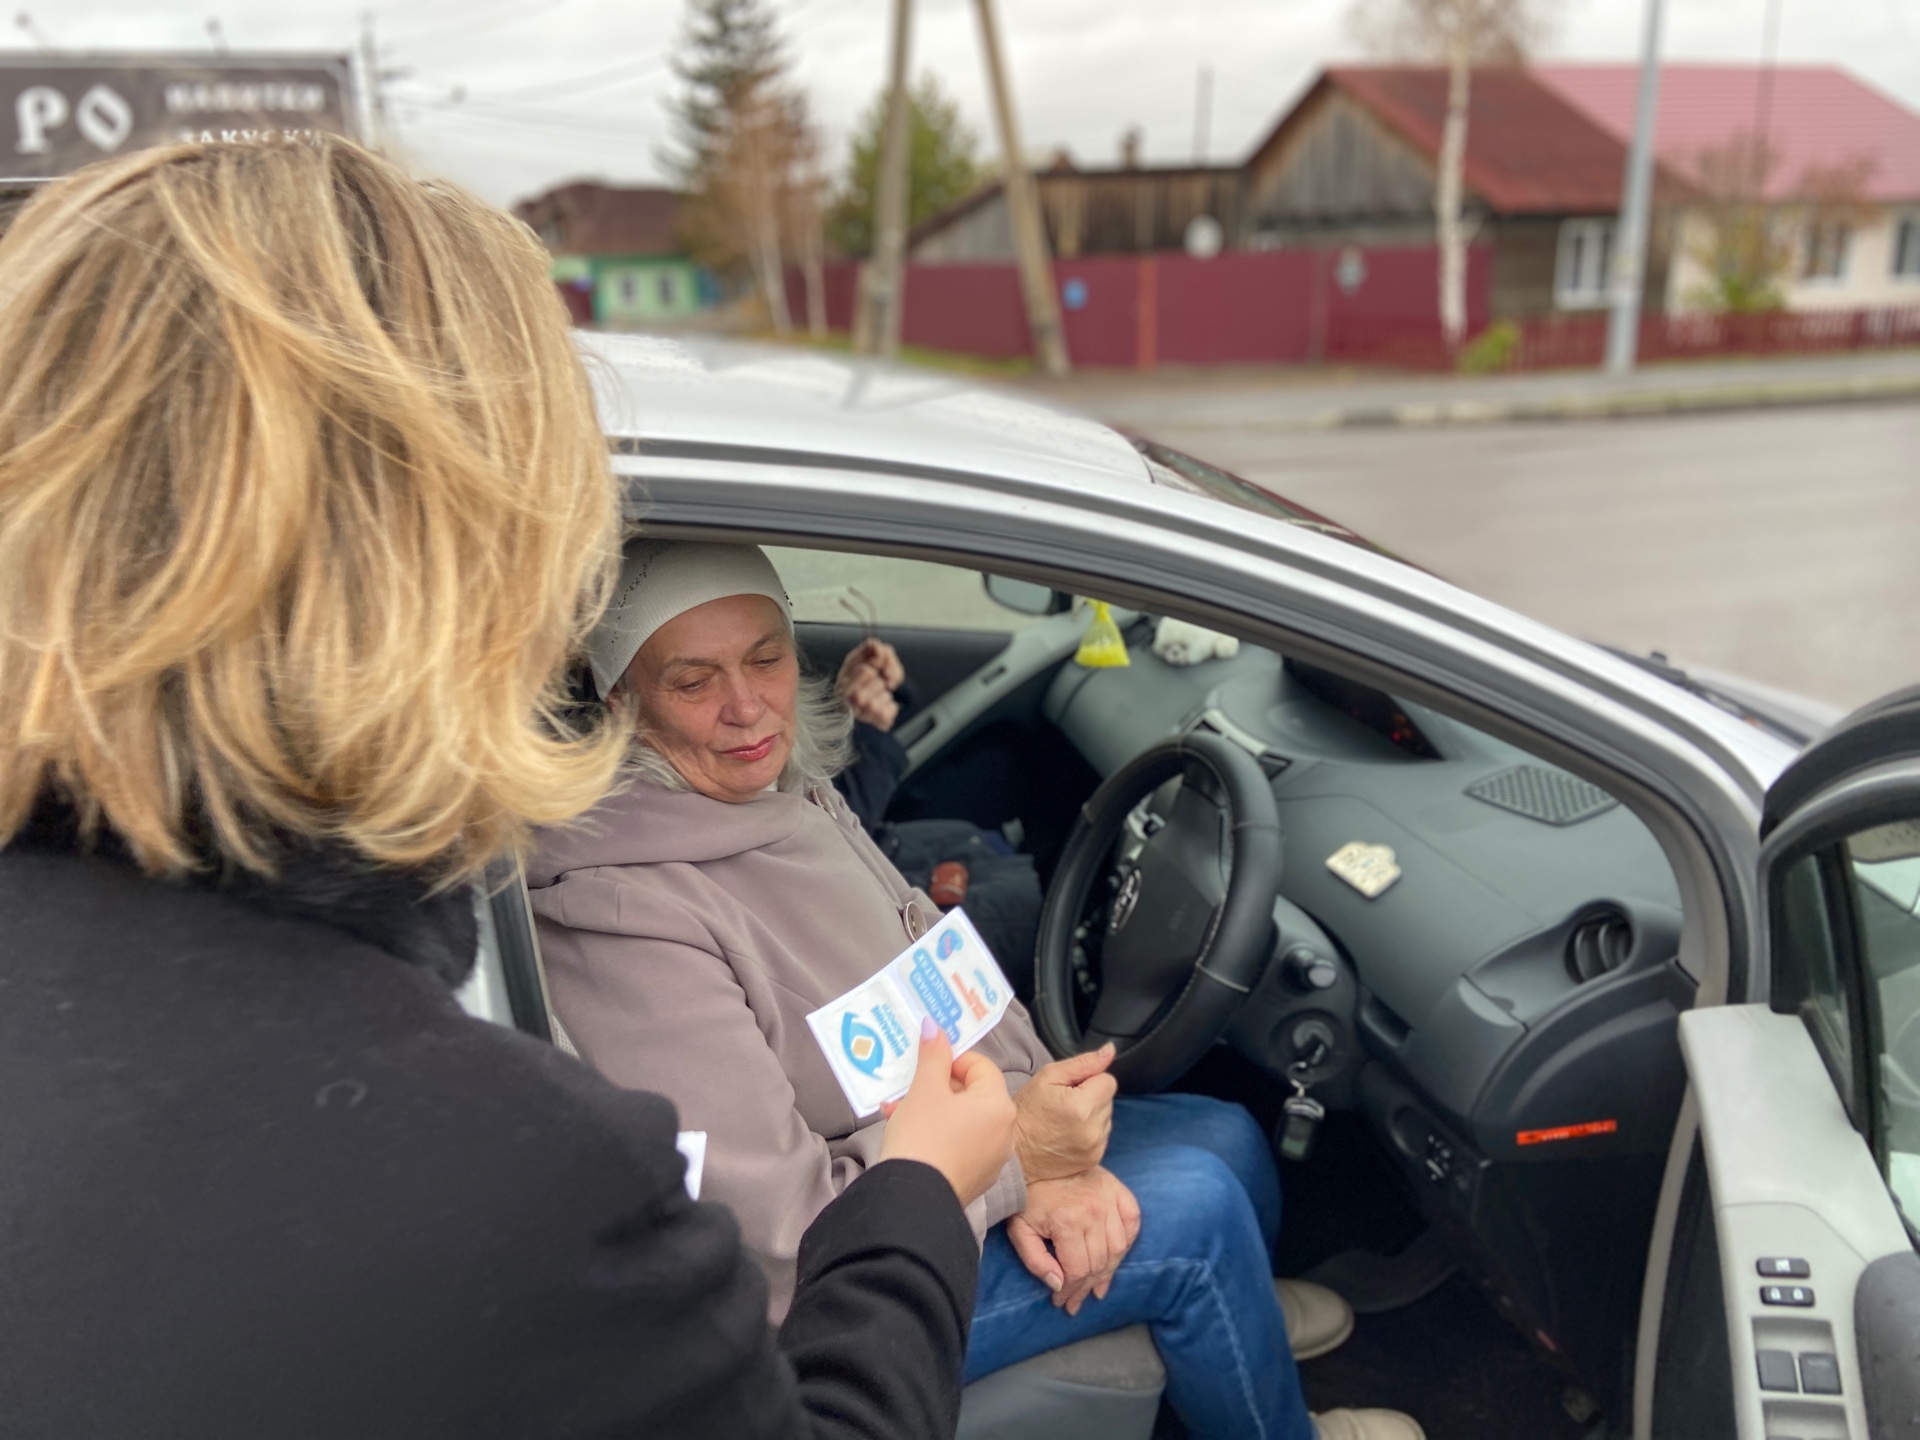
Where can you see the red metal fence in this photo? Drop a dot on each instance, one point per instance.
(1365, 307)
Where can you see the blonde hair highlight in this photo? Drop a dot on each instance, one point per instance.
(302, 504)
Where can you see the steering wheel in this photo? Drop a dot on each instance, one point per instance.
(1182, 926)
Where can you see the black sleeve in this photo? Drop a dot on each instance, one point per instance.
(878, 1329)
(868, 784)
(657, 1325)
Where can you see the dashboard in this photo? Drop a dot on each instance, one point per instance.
(1503, 1014)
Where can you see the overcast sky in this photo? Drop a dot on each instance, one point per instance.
(560, 89)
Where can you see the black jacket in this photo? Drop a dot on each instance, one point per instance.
(260, 1177)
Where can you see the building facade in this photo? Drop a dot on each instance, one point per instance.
(617, 258)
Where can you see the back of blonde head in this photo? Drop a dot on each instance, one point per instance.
(302, 503)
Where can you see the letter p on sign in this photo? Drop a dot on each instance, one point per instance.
(39, 108)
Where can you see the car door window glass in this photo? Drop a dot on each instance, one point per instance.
(1808, 980)
(834, 588)
(1885, 862)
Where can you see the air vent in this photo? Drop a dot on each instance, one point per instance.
(1542, 793)
(1598, 945)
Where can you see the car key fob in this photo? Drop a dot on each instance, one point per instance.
(1300, 1126)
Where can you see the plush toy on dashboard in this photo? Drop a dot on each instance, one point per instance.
(1179, 643)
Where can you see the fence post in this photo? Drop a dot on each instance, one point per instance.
(1146, 314)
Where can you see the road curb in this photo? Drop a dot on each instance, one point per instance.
(1623, 405)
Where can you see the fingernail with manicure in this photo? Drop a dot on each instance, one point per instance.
(927, 1028)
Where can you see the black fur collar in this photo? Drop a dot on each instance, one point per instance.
(394, 910)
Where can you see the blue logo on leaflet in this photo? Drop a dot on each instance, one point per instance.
(936, 995)
(862, 1046)
(949, 943)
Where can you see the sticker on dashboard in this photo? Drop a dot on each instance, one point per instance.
(1370, 869)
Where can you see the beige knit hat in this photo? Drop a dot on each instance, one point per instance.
(662, 579)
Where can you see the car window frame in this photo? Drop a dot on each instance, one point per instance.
(1819, 829)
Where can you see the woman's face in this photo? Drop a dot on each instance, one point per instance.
(717, 689)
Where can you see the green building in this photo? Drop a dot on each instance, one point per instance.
(616, 254)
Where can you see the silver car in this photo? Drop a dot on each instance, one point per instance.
(1609, 992)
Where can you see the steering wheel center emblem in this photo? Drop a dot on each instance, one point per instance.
(1124, 903)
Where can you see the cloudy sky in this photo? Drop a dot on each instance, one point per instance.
(558, 89)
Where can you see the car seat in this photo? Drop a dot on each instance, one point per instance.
(1106, 1388)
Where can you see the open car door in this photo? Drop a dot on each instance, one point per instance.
(1804, 1188)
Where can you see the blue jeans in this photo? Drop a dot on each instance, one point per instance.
(1199, 1276)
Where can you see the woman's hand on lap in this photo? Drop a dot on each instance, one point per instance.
(1065, 1116)
(956, 1117)
(1090, 1220)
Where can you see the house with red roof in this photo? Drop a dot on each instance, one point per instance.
(1354, 163)
(1812, 130)
(1350, 169)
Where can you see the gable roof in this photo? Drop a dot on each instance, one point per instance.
(1529, 151)
(1818, 116)
(587, 218)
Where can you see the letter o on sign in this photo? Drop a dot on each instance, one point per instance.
(105, 118)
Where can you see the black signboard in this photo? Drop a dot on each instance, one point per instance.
(59, 112)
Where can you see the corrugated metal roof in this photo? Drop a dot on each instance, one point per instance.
(1818, 115)
(587, 218)
(1529, 150)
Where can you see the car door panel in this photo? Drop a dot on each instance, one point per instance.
(1805, 1101)
(936, 661)
(1789, 1179)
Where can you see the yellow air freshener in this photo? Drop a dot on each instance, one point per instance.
(1101, 648)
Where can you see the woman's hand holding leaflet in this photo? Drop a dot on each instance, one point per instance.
(956, 1117)
(1065, 1115)
(1091, 1219)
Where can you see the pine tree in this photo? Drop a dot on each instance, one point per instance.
(745, 148)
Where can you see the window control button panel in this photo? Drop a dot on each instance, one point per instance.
(1799, 1297)
(1777, 1371)
(1783, 1267)
(1820, 1374)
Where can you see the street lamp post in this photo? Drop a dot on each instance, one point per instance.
(1630, 245)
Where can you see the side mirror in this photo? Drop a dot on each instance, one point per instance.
(1023, 596)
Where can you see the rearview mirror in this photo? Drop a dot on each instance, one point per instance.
(1022, 596)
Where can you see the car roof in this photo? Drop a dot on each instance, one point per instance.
(669, 395)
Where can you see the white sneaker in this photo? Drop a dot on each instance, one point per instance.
(1367, 1425)
(1317, 1319)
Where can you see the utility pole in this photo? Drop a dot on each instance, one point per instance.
(1023, 211)
(373, 104)
(886, 273)
(1630, 244)
(1202, 113)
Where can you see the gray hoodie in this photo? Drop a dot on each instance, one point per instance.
(685, 941)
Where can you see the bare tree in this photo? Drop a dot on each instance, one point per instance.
(1751, 242)
(1459, 34)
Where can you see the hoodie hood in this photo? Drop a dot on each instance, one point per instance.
(648, 824)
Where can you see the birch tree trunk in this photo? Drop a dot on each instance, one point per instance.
(814, 270)
(1448, 193)
(764, 199)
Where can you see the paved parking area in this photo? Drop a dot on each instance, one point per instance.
(1779, 544)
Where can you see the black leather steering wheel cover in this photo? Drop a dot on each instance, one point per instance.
(1237, 947)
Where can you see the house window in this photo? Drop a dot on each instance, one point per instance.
(1585, 267)
(669, 292)
(628, 288)
(1826, 253)
(1906, 248)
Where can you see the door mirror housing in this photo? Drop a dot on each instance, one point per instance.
(1024, 597)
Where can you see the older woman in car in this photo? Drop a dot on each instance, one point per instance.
(697, 917)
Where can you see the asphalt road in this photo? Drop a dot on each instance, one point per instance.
(1783, 545)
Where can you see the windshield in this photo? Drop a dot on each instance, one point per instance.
(1178, 471)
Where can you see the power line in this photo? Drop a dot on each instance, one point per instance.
(467, 28)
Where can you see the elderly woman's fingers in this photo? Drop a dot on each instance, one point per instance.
(1032, 1250)
(886, 660)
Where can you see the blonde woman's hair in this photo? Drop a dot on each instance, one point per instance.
(302, 505)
